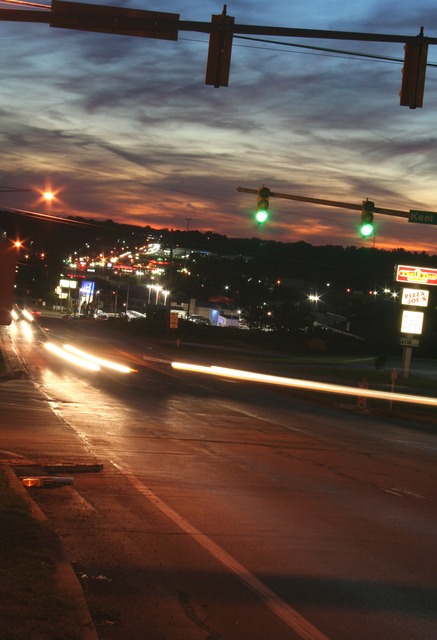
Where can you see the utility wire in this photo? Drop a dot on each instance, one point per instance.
(358, 54)
(339, 52)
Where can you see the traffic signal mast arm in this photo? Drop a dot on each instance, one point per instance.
(221, 30)
(329, 203)
(142, 23)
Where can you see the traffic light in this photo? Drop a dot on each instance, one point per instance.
(262, 205)
(367, 209)
(219, 52)
(413, 73)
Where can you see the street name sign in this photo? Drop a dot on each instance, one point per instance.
(423, 217)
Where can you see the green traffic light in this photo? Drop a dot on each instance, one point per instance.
(367, 209)
(261, 216)
(366, 230)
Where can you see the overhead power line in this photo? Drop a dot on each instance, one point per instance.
(358, 54)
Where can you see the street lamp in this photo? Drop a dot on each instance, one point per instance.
(165, 293)
(313, 297)
(157, 288)
(47, 195)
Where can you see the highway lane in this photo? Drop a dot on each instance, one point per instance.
(326, 519)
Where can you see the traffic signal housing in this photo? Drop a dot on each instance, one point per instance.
(413, 73)
(219, 52)
(262, 205)
(367, 209)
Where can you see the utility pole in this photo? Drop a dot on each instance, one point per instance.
(8, 260)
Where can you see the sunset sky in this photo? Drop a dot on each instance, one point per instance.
(124, 127)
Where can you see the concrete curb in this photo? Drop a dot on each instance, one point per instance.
(68, 580)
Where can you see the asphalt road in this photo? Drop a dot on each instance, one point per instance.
(228, 509)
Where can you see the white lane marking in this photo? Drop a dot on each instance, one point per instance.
(153, 359)
(281, 609)
(403, 492)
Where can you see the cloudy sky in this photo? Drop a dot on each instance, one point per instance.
(125, 128)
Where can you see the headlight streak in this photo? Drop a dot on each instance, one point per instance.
(304, 384)
(121, 368)
(69, 357)
(29, 317)
(26, 329)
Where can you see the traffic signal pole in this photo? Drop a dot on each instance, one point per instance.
(329, 203)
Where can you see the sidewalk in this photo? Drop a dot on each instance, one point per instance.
(40, 593)
(11, 364)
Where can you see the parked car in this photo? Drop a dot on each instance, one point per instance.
(198, 319)
(134, 315)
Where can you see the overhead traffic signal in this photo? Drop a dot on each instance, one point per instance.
(413, 72)
(367, 209)
(262, 205)
(220, 48)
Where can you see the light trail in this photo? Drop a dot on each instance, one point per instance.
(25, 3)
(310, 385)
(69, 357)
(27, 315)
(121, 368)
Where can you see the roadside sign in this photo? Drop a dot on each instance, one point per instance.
(412, 321)
(415, 297)
(174, 320)
(423, 217)
(409, 342)
(416, 275)
(68, 284)
(87, 288)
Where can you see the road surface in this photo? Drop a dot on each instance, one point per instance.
(228, 509)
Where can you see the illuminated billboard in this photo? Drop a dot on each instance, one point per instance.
(415, 297)
(412, 322)
(68, 284)
(416, 275)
